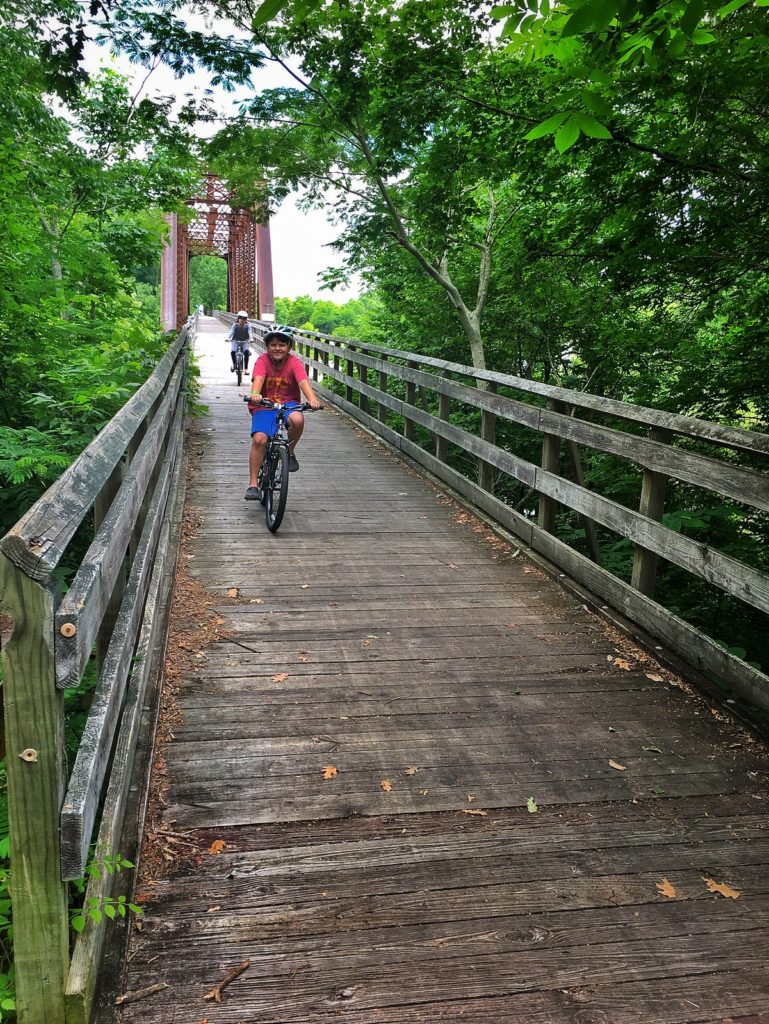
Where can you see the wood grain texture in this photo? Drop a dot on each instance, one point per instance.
(418, 651)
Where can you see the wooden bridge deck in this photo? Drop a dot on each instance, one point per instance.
(386, 633)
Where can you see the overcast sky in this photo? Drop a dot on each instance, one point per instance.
(298, 238)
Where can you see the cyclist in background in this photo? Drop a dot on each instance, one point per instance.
(278, 376)
(241, 330)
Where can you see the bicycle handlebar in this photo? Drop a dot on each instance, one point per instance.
(265, 403)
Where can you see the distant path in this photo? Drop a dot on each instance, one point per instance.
(385, 633)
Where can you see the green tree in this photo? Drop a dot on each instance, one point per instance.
(208, 282)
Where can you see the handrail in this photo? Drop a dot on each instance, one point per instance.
(128, 476)
(402, 375)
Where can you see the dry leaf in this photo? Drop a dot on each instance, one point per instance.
(366, 643)
(304, 586)
(301, 658)
(217, 846)
(531, 805)
(667, 888)
(386, 785)
(472, 810)
(218, 622)
(621, 663)
(256, 600)
(411, 770)
(281, 677)
(655, 678)
(722, 888)
(329, 771)
(451, 565)
(233, 592)
(470, 798)
(213, 910)
(619, 767)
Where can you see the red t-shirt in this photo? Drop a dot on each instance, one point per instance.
(280, 385)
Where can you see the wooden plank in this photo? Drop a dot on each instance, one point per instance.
(84, 973)
(37, 542)
(35, 765)
(85, 603)
(78, 812)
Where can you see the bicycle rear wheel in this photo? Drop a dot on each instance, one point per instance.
(239, 367)
(277, 487)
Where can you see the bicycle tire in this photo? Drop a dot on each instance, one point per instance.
(261, 482)
(239, 368)
(277, 488)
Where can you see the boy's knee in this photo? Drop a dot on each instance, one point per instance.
(258, 440)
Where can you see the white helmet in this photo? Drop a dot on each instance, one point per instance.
(243, 314)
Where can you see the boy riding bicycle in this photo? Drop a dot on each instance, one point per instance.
(242, 333)
(279, 376)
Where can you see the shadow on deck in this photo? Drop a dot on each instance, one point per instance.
(411, 779)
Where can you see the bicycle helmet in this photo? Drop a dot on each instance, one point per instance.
(279, 331)
(243, 314)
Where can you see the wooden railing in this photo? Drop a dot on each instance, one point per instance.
(442, 386)
(127, 479)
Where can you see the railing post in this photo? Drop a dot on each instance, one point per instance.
(551, 463)
(314, 372)
(381, 408)
(441, 444)
(349, 390)
(652, 504)
(363, 402)
(488, 433)
(411, 399)
(36, 766)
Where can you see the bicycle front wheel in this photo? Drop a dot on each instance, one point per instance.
(277, 487)
(239, 368)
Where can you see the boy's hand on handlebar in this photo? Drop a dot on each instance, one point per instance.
(314, 403)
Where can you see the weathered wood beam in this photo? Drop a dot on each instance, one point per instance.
(36, 766)
(37, 542)
(85, 785)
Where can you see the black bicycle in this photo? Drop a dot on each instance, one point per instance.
(239, 361)
(272, 483)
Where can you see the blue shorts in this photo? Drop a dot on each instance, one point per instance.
(265, 421)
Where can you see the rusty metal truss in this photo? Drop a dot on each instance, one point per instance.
(218, 227)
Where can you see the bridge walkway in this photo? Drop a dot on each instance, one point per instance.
(411, 779)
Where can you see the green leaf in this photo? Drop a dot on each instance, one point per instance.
(567, 135)
(548, 126)
(728, 9)
(583, 19)
(702, 38)
(503, 11)
(677, 45)
(110, 911)
(531, 806)
(266, 12)
(588, 124)
(95, 914)
(78, 923)
(595, 102)
(692, 16)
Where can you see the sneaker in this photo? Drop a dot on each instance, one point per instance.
(293, 465)
(232, 369)
(252, 494)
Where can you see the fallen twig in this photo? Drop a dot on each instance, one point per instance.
(141, 993)
(216, 993)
